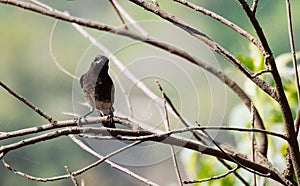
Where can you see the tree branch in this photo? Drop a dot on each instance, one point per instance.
(211, 178)
(223, 21)
(282, 100)
(75, 182)
(166, 138)
(167, 126)
(28, 103)
(292, 45)
(112, 164)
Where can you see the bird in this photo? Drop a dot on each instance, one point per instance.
(98, 89)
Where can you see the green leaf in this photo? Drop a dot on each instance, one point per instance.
(255, 60)
(247, 61)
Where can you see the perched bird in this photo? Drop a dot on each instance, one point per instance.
(98, 89)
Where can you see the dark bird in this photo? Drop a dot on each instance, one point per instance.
(98, 89)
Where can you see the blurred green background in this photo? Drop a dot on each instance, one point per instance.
(27, 68)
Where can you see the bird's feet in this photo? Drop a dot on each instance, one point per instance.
(109, 121)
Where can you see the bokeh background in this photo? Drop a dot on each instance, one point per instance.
(27, 68)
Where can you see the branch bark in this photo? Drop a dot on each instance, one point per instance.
(282, 100)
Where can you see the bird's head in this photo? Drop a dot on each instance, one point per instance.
(100, 64)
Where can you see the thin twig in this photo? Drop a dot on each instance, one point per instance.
(254, 6)
(238, 163)
(294, 57)
(75, 182)
(112, 2)
(75, 173)
(78, 172)
(260, 73)
(212, 178)
(112, 164)
(292, 45)
(253, 140)
(29, 177)
(164, 96)
(222, 20)
(168, 129)
(229, 167)
(289, 167)
(167, 99)
(130, 19)
(28, 103)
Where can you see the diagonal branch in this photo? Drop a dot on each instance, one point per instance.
(118, 13)
(75, 173)
(212, 178)
(28, 103)
(209, 42)
(223, 21)
(112, 164)
(167, 126)
(254, 6)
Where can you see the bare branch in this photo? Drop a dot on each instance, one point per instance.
(78, 172)
(294, 57)
(75, 173)
(159, 137)
(28, 103)
(167, 99)
(212, 178)
(254, 6)
(118, 13)
(253, 140)
(292, 44)
(168, 129)
(72, 177)
(130, 19)
(260, 73)
(112, 164)
(66, 123)
(29, 177)
(240, 177)
(233, 160)
(222, 20)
